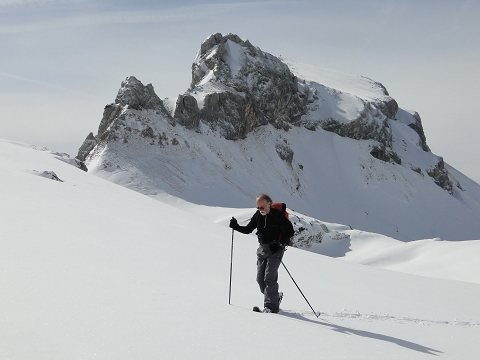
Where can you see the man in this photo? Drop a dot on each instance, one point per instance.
(274, 230)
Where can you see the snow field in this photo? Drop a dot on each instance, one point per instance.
(90, 269)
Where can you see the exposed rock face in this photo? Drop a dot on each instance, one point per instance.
(371, 124)
(132, 95)
(417, 126)
(245, 88)
(229, 113)
(285, 152)
(388, 105)
(86, 147)
(110, 113)
(187, 112)
(360, 129)
(440, 175)
(48, 174)
(137, 96)
(382, 153)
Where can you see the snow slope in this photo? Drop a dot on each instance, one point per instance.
(454, 260)
(90, 269)
(331, 178)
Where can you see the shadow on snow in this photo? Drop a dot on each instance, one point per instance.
(349, 331)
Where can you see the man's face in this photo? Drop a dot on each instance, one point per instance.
(263, 206)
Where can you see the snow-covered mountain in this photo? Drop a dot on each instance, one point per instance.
(331, 145)
(92, 270)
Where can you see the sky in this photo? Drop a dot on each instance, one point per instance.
(62, 61)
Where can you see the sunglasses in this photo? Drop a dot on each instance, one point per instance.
(260, 208)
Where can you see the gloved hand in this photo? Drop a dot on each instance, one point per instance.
(233, 223)
(274, 247)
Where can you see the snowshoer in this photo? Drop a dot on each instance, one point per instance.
(274, 230)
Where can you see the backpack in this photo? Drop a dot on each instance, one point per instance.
(283, 208)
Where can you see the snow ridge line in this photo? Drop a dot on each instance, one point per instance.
(345, 314)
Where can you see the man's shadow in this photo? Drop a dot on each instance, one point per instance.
(349, 331)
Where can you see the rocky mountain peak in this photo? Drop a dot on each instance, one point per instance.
(236, 88)
(132, 95)
(226, 55)
(136, 95)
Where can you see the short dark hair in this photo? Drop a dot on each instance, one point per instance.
(265, 197)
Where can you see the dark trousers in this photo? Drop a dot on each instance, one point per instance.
(267, 275)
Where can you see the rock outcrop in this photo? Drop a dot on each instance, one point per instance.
(440, 176)
(86, 147)
(243, 88)
(418, 128)
(187, 112)
(133, 95)
(137, 96)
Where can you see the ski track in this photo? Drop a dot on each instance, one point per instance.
(346, 314)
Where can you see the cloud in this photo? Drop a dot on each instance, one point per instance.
(44, 83)
(37, 3)
(192, 13)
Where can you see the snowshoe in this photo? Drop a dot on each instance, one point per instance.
(265, 310)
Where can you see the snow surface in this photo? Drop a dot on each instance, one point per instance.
(90, 269)
(358, 85)
(342, 95)
(454, 260)
(235, 55)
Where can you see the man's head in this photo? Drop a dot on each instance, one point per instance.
(264, 203)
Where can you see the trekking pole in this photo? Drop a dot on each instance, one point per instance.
(300, 290)
(231, 263)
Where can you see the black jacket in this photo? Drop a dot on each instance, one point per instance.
(273, 227)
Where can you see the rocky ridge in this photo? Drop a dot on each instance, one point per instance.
(236, 88)
(239, 87)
